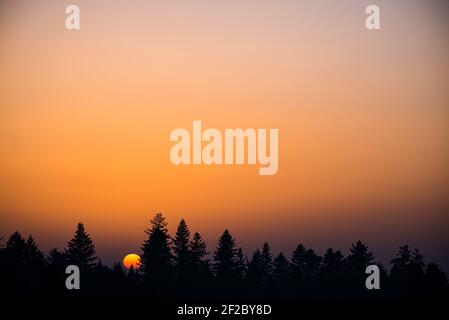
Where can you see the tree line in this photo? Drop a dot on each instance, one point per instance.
(180, 266)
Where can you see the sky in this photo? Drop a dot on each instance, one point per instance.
(86, 116)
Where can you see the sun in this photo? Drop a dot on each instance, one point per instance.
(131, 260)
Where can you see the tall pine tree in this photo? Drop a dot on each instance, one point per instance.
(80, 250)
(181, 253)
(198, 250)
(156, 261)
(357, 261)
(225, 263)
(266, 260)
(281, 269)
(202, 278)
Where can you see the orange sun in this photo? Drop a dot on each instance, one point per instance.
(131, 260)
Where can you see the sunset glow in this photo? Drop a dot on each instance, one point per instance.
(86, 116)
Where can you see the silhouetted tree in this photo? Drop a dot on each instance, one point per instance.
(201, 278)
(358, 259)
(80, 250)
(156, 261)
(16, 249)
(254, 275)
(35, 264)
(332, 271)
(34, 256)
(197, 250)
(241, 264)
(407, 271)
(14, 267)
(56, 264)
(266, 260)
(225, 264)
(56, 258)
(281, 271)
(401, 262)
(23, 270)
(333, 262)
(22, 265)
(181, 255)
(416, 271)
(305, 267)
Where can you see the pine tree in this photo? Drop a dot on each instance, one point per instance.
(156, 262)
(224, 256)
(298, 258)
(305, 267)
(198, 256)
(225, 263)
(281, 269)
(181, 252)
(241, 264)
(23, 264)
(202, 277)
(56, 264)
(299, 263)
(417, 263)
(356, 262)
(332, 270)
(333, 263)
(400, 265)
(197, 249)
(407, 271)
(34, 257)
(266, 260)
(16, 249)
(80, 250)
(56, 259)
(359, 258)
(416, 270)
(254, 276)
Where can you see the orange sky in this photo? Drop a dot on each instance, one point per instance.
(85, 119)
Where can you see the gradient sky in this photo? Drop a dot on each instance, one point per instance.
(85, 119)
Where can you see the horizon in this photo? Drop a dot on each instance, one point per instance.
(110, 259)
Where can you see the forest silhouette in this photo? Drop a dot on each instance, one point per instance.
(180, 267)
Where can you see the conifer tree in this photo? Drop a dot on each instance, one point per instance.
(225, 263)
(305, 266)
(56, 259)
(80, 250)
(254, 276)
(281, 269)
(266, 260)
(156, 261)
(197, 249)
(241, 264)
(181, 252)
(356, 262)
(34, 256)
(16, 249)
